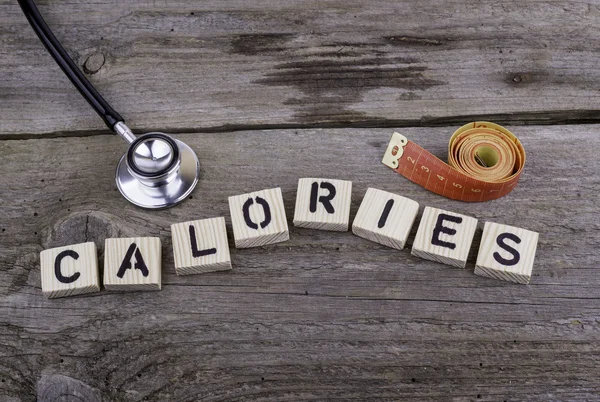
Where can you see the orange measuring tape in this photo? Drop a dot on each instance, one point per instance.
(485, 161)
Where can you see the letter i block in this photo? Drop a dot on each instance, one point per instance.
(68, 271)
(385, 218)
(258, 218)
(444, 237)
(200, 246)
(132, 264)
(323, 204)
(506, 253)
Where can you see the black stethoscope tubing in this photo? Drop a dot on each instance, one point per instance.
(85, 88)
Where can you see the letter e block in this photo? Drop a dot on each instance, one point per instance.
(200, 246)
(132, 264)
(68, 271)
(506, 253)
(258, 218)
(444, 237)
(385, 218)
(323, 204)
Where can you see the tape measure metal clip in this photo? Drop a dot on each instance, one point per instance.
(395, 150)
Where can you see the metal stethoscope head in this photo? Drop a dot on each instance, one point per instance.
(157, 171)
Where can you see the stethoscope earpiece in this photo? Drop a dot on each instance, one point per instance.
(157, 171)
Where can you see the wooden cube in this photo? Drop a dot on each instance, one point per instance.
(200, 246)
(70, 270)
(445, 237)
(323, 204)
(258, 218)
(132, 263)
(506, 253)
(385, 218)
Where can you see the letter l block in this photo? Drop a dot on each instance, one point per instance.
(444, 237)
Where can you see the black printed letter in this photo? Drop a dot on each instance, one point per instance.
(504, 246)
(440, 228)
(325, 200)
(266, 209)
(58, 274)
(139, 261)
(385, 214)
(195, 252)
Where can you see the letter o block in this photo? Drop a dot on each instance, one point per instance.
(506, 253)
(71, 270)
(258, 218)
(323, 204)
(444, 237)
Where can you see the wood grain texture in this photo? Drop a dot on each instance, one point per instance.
(221, 65)
(267, 220)
(143, 263)
(454, 237)
(322, 316)
(80, 271)
(492, 266)
(209, 242)
(395, 226)
(323, 193)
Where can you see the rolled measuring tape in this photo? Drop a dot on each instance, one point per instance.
(485, 161)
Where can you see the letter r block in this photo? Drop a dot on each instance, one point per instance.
(68, 271)
(323, 204)
(132, 264)
(258, 218)
(444, 237)
(200, 246)
(506, 253)
(385, 218)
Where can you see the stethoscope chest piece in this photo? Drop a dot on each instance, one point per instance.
(157, 171)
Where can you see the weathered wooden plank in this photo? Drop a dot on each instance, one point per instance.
(220, 65)
(321, 316)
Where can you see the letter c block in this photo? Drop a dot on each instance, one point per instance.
(506, 253)
(71, 270)
(444, 237)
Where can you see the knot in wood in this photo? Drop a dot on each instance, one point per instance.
(94, 63)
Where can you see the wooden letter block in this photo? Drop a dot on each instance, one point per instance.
(323, 204)
(132, 263)
(258, 218)
(385, 218)
(506, 253)
(445, 237)
(70, 270)
(200, 246)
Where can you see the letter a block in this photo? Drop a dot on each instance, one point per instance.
(258, 218)
(200, 246)
(506, 253)
(132, 263)
(385, 218)
(68, 271)
(444, 237)
(323, 204)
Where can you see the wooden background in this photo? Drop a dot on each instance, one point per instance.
(268, 92)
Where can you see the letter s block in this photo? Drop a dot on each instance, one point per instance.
(323, 204)
(258, 218)
(385, 218)
(200, 246)
(71, 270)
(506, 253)
(444, 237)
(132, 264)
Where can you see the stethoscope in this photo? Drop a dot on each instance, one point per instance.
(157, 171)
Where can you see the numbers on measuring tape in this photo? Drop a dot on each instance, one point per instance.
(440, 177)
(425, 168)
(476, 190)
(411, 160)
(456, 185)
